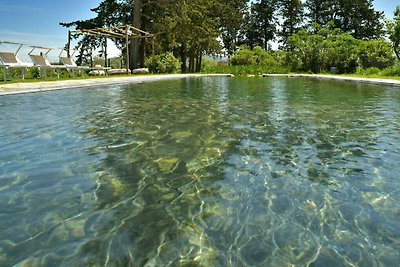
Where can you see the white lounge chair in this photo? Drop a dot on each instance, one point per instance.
(10, 60)
(42, 62)
(70, 63)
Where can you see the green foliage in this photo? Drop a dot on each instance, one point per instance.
(34, 73)
(371, 71)
(246, 70)
(257, 56)
(163, 63)
(376, 53)
(319, 49)
(306, 53)
(231, 22)
(394, 32)
(192, 29)
(244, 56)
(318, 11)
(391, 71)
(292, 13)
(341, 52)
(260, 25)
(208, 64)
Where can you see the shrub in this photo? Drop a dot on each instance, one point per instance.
(368, 71)
(162, 63)
(257, 56)
(208, 65)
(391, 71)
(243, 57)
(376, 53)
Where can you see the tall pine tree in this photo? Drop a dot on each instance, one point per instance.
(261, 23)
(292, 14)
(394, 32)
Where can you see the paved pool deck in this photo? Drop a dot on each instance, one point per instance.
(42, 86)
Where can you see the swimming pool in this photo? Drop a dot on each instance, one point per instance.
(202, 172)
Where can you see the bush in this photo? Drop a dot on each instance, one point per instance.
(257, 56)
(247, 70)
(391, 71)
(368, 71)
(376, 53)
(208, 65)
(162, 63)
(243, 57)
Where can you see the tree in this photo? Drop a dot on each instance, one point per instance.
(136, 59)
(261, 24)
(318, 11)
(188, 28)
(357, 17)
(292, 14)
(232, 18)
(394, 32)
(376, 53)
(319, 48)
(109, 13)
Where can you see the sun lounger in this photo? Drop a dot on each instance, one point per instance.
(10, 60)
(42, 62)
(70, 64)
(99, 70)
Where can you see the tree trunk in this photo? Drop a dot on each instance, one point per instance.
(183, 59)
(142, 52)
(191, 63)
(198, 62)
(134, 55)
(396, 52)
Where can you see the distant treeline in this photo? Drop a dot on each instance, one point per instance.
(190, 29)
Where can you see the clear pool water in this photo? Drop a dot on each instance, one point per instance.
(202, 172)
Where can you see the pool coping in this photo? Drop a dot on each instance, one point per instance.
(43, 86)
(376, 81)
(27, 87)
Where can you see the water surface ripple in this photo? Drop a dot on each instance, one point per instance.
(202, 172)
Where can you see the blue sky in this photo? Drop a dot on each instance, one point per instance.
(36, 22)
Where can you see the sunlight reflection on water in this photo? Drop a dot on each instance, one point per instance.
(202, 172)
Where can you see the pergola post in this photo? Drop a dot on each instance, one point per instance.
(105, 53)
(127, 48)
(69, 43)
(126, 32)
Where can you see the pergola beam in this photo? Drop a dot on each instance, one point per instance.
(126, 32)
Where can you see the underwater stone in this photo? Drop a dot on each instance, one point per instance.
(328, 257)
(3, 260)
(51, 259)
(166, 164)
(29, 262)
(181, 135)
(76, 228)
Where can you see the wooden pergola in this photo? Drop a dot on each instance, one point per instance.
(126, 32)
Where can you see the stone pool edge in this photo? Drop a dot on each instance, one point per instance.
(376, 81)
(27, 87)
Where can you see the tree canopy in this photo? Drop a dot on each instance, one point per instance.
(191, 29)
(394, 32)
